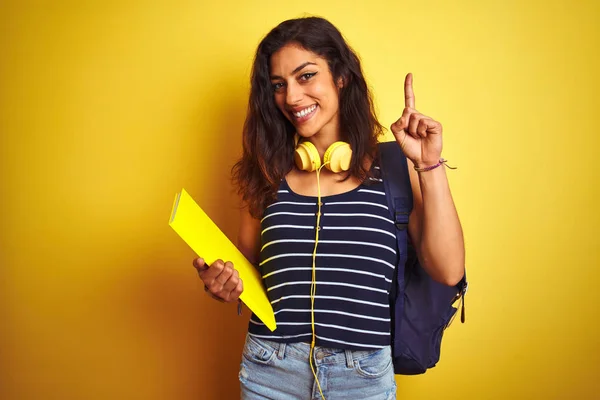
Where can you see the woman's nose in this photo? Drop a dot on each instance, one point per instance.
(294, 94)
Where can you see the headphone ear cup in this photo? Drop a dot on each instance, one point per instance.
(337, 157)
(307, 157)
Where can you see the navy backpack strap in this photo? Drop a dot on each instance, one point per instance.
(399, 196)
(398, 192)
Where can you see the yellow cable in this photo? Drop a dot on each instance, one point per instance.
(313, 286)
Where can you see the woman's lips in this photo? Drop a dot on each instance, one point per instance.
(307, 116)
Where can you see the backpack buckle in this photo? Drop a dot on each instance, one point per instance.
(401, 220)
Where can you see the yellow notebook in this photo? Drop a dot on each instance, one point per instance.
(206, 239)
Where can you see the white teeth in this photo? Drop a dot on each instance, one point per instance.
(305, 111)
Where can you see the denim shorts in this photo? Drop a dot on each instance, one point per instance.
(272, 370)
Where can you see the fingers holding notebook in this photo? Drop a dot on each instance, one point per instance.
(221, 279)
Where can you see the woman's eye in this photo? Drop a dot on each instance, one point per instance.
(307, 76)
(277, 86)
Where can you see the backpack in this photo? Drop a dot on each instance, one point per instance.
(421, 308)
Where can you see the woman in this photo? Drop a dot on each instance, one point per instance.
(322, 238)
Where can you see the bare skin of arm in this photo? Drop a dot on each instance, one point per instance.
(434, 226)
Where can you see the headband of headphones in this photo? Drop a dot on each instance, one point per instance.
(337, 157)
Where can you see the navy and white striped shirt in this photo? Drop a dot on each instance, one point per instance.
(355, 262)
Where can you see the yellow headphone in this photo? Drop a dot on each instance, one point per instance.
(336, 158)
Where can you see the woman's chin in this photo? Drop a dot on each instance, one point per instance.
(305, 130)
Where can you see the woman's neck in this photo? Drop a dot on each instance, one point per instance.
(329, 134)
(323, 141)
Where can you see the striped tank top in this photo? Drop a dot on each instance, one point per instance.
(355, 261)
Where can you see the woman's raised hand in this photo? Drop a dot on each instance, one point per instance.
(419, 136)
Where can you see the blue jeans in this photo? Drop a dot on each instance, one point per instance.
(272, 370)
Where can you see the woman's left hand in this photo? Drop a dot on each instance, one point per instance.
(419, 136)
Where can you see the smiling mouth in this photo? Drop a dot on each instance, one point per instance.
(305, 114)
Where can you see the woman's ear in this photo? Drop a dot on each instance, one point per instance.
(340, 82)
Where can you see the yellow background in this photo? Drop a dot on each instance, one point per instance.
(108, 108)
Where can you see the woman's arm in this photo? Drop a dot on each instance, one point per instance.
(248, 240)
(434, 226)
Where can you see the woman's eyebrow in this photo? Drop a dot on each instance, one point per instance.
(296, 70)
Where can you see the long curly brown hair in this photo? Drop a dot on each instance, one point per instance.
(268, 137)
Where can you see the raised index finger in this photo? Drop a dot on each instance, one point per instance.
(409, 95)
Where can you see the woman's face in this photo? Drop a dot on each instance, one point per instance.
(305, 92)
